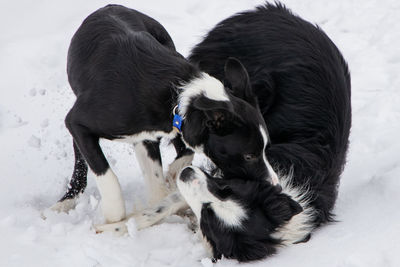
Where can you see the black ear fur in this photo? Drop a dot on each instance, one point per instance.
(205, 103)
(283, 208)
(193, 130)
(221, 191)
(219, 114)
(237, 79)
(264, 85)
(280, 207)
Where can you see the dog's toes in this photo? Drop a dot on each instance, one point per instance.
(118, 228)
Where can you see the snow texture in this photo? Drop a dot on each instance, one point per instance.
(36, 157)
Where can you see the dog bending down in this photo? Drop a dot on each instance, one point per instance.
(301, 85)
(130, 82)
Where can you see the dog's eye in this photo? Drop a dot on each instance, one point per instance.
(250, 157)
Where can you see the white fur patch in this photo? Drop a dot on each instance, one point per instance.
(300, 225)
(145, 135)
(209, 86)
(196, 194)
(65, 205)
(152, 173)
(112, 202)
(272, 173)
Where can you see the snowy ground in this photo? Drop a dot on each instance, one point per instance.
(36, 151)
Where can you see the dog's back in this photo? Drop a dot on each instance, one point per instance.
(118, 40)
(303, 88)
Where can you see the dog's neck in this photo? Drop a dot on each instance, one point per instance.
(203, 84)
(177, 120)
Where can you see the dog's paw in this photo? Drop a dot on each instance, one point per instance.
(118, 228)
(64, 206)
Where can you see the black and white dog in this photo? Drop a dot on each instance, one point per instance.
(301, 83)
(131, 85)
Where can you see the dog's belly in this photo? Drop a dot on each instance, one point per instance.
(146, 136)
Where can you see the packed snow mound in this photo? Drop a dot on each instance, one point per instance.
(37, 158)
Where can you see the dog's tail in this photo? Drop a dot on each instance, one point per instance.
(76, 185)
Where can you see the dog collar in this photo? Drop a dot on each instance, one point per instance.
(177, 120)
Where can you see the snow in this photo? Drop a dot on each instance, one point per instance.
(36, 156)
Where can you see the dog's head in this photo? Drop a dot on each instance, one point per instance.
(237, 217)
(225, 122)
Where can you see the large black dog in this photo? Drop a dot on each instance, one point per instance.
(131, 85)
(301, 83)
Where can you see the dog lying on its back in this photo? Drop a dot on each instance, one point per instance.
(131, 85)
(300, 82)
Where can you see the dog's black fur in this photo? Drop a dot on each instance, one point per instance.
(266, 208)
(302, 85)
(127, 76)
(105, 59)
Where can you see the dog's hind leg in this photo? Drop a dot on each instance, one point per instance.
(170, 205)
(76, 185)
(184, 157)
(112, 202)
(149, 158)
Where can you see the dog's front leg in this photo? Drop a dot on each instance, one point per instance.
(170, 205)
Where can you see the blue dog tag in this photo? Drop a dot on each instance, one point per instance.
(177, 122)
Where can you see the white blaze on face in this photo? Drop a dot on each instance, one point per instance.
(272, 173)
(195, 192)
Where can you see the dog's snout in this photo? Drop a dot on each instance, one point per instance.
(187, 174)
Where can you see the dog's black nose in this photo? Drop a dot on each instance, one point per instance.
(186, 174)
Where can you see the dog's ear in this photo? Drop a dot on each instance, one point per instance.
(221, 189)
(237, 80)
(218, 114)
(279, 207)
(207, 112)
(283, 208)
(264, 85)
(204, 103)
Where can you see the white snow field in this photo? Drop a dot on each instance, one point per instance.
(36, 157)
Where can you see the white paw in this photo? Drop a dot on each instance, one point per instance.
(118, 228)
(64, 206)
